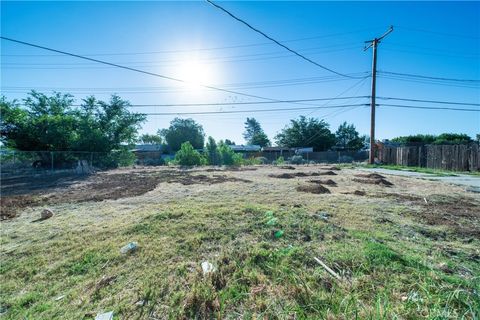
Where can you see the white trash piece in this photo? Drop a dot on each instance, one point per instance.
(128, 248)
(105, 316)
(207, 267)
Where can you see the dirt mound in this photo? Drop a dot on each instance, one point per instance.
(380, 181)
(313, 188)
(287, 167)
(370, 176)
(327, 173)
(293, 175)
(328, 182)
(334, 168)
(459, 214)
(359, 193)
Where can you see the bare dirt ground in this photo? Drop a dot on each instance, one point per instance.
(259, 225)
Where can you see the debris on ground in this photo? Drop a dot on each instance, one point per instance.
(129, 248)
(333, 273)
(287, 167)
(46, 214)
(105, 281)
(277, 233)
(316, 188)
(105, 316)
(59, 298)
(323, 215)
(359, 193)
(370, 176)
(207, 267)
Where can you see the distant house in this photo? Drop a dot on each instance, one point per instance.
(246, 148)
(148, 153)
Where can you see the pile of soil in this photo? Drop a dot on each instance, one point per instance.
(287, 167)
(313, 188)
(327, 173)
(302, 174)
(328, 182)
(370, 176)
(334, 168)
(377, 181)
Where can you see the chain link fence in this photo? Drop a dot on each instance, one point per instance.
(18, 163)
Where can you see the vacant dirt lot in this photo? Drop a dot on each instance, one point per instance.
(403, 247)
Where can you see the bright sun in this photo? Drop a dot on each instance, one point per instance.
(195, 74)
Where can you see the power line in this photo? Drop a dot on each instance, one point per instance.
(426, 108)
(133, 69)
(194, 50)
(438, 33)
(275, 41)
(431, 101)
(429, 77)
(251, 111)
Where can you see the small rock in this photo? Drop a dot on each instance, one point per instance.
(105, 316)
(46, 214)
(129, 248)
(323, 215)
(207, 267)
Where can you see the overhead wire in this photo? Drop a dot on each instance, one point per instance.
(275, 41)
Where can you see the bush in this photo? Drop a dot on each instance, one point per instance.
(251, 161)
(187, 156)
(115, 159)
(262, 160)
(279, 161)
(228, 157)
(296, 160)
(153, 162)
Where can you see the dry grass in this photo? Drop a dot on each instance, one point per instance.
(399, 256)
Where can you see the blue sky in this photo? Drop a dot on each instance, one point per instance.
(440, 39)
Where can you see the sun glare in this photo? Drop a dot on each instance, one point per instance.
(196, 74)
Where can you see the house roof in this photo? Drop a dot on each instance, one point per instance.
(147, 147)
(249, 147)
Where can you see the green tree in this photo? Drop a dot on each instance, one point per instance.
(51, 123)
(348, 138)
(254, 133)
(229, 142)
(444, 138)
(150, 139)
(182, 130)
(305, 132)
(228, 156)
(188, 156)
(453, 138)
(212, 153)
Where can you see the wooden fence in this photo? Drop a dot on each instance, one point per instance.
(445, 157)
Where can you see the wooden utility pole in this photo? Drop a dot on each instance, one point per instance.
(374, 43)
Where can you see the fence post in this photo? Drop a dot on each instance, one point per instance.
(14, 168)
(51, 164)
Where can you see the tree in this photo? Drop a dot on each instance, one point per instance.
(305, 132)
(51, 123)
(182, 130)
(188, 156)
(444, 138)
(228, 156)
(229, 142)
(150, 139)
(212, 153)
(254, 133)
(348, 138)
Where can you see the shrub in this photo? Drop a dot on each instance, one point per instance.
(153, 162)
(262, 160)
(187, 156)
(296, 160)
(251, 161)
(228, 157)
(279, 161)
(115, 159)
